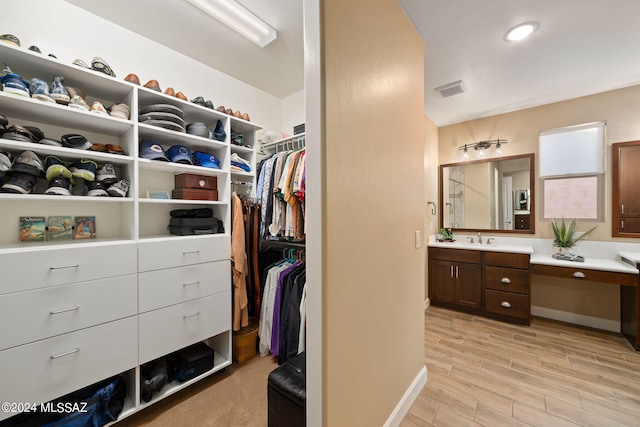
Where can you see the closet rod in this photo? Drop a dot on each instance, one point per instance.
(283, 140)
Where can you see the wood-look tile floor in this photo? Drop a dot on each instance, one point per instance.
(488, 373)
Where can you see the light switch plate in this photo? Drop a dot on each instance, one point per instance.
(418, 239)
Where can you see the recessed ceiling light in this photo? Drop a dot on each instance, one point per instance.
(521, 31)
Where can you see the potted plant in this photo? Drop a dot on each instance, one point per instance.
(565, 237)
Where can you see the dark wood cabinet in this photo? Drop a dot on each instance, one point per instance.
(523, 221)
(456, 277)
(625, 159)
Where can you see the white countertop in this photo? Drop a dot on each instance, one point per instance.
(590, 263)
(492, 247)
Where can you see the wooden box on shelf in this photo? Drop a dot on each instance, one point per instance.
(194, 194)
(190, 180)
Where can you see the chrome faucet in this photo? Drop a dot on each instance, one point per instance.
(489, 240)
(479, 238)
(470, 239)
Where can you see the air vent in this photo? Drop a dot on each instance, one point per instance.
(451, 89)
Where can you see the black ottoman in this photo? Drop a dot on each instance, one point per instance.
(287, 393)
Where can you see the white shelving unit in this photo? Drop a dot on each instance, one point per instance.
(128, 283)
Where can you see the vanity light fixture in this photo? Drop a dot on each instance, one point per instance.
(521, 31)
(238, 18)
(482, 146)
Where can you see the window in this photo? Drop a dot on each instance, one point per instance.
(572, 170)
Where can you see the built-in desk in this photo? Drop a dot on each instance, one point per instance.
(623, 272)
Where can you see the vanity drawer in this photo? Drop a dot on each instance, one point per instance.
(161, 288)
(460, 255)
(47, 369)
(33, 269)
(507, 303)
(503, 259)
(577, 273)
(508, 279)
(180, 251)
(172, 328)
(43, 313)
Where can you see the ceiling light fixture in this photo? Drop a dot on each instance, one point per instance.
(482, 146)
(521, 31)
(238, 18)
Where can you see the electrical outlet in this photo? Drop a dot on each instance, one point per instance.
(418, 239)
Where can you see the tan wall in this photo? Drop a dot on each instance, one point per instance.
(373, 324)
(620, 109)
(431, 187)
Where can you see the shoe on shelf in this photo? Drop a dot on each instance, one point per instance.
(208, 104)
(107, 174)
(119, 189)
(40, 90)
(6, 158)
(97, 189)
(35, 49)
(221, 108)
(51, 141)
(78, 103)
(170, 91)
(74, 140)
(13, 83)
(80, 63)
(55, 167)
(219, 134)
(153, 85)
(28, 162)
(85, 169)
(132, 78)
(19, 182)
(198, 101)
(59, 185)
(58, 91)
(120, 111)
(182, 96)
(73, 91)
(98, 108)
(10, 39)
(245, 116)
(99, 64)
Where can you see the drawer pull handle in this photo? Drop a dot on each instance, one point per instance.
(190, 252)
(579, 275)
(505, 304)
(64, 310)
(58, 356)
(64, 266)
(505, 280)
(186, 285)
(191, 315)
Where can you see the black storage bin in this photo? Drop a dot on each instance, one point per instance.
(193, 361)
(287, 393)
(189, 226)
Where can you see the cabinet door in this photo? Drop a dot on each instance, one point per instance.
(442, 283)
(626, 189)
(468, 285)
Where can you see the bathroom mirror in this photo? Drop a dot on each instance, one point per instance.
(489, 195)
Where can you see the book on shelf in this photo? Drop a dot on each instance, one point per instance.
(59, 228)
(32, 229)
(85, 227)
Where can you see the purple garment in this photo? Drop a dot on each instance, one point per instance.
(275, 326)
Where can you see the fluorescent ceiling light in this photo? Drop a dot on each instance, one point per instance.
(521, 31)
(238, 18)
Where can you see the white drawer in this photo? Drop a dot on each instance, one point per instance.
(161, 288)
(179, 251)
(39, 268)
(172, 328)
(47, 369)
(32, 315)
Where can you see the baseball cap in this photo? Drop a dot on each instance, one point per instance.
(28, 162)
(152, 150)
(206, 160)
(180, 154)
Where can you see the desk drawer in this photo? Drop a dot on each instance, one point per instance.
(508, 279)
(22, 271)
(584, 274)
(508, 304)
(33, 315)
(47, 369)
(180, 251)
(168, 329)
(161, 288)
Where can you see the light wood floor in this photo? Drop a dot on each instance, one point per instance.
(489, 373)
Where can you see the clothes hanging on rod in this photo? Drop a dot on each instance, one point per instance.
(239, 265)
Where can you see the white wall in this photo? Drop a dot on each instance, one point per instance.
(293, 111)
(70, 33)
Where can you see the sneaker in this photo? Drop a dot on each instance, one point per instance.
(11, 39)
(28, 162)
(40, 90)
(120, 111)
(13, 83)
(60, 185)
(97, 189)
(21, 183)
(6, 158)
(55, 167)
(85, 169)
(79, 187)
(73, 140)
(74, 90)
(80, 63)
(98, 108)
(107, 174)
(99, 64)
(35, 48)
(78, 103)
(119, 189)
(58, 91)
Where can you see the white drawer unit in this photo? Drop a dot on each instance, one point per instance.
(180, 251)
(57, 310)
(55, 265)
(47, 369)
(161, 288)
(172, 328)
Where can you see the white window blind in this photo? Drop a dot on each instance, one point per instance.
(572, 151)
